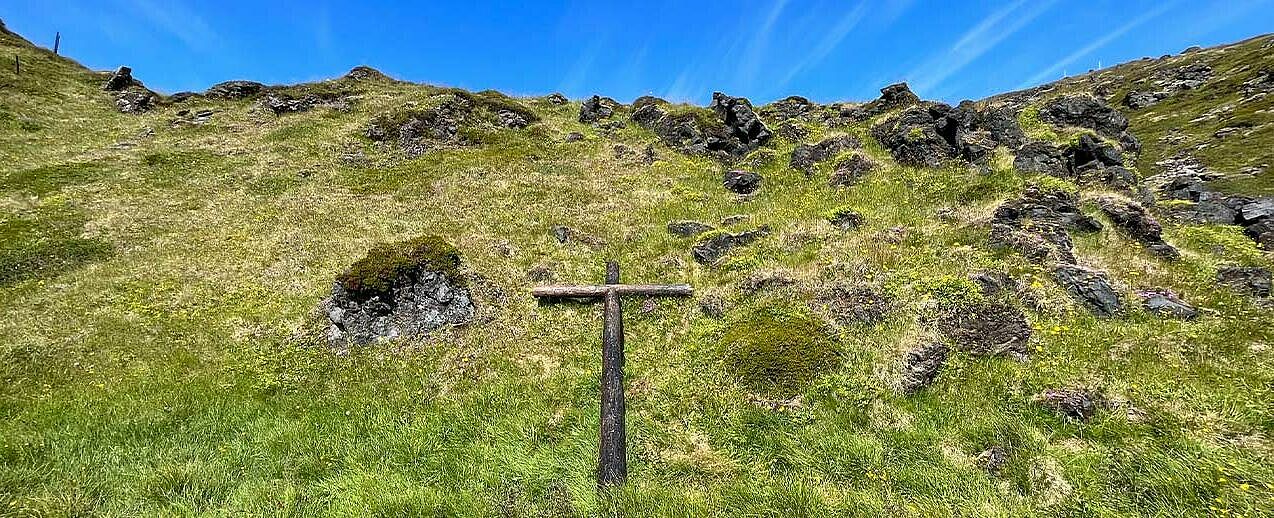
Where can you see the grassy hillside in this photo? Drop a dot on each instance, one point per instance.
(161, 351)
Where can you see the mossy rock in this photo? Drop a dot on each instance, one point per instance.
(391, 264)
(778, 353)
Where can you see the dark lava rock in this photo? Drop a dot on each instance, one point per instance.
(234, 90)
(1137, 99)
(557, 98)
(849, 304)
(400, 289)
(987, 329)
(1262, 232)
(1089, 149)
(992, 283)
(1085, 111)
(793, 131)
(512, 119)
(742, 123)
(717, 245)
(1041, 157)
(596, 108)
(912, 139)
(922, 365)
(1090, 287)
(1166, 304)
(1075, 404)
(135, 100)
(793, 107)
(688, 228)
(1036, 225)
(1250, 279)
(930, 134)
(121, 79)
(1189, 77)
(895, 95)
(992, 459)
(806, 156)
(846, 219)
(851, 169)
(741, 182)
(1139, 224)
(363, 73)
(1257, 210)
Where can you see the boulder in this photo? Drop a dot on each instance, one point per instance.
(121, 79)
(1257, 210)
(793, 107)
(1085, 111)
(364, 73)
(596, 108)
(398, 290)
(688, 228)
(922, 365)
(1138, 99)
(895, 95)
(1137, 222)
(743, 124)
(1189, 77)
(741, 182)
(234, 90)
(987, 329)
(913, 139)
(1251, 279)
(1001, 122)
(806, 157)
(1089, 150)
(698, 131)
(1262, 232)
(1077, 404)
(851, 169)
(714, 247)
(135, 100)
(1090, 287)
(557, 98)
(1036, 225)
(1166, 304)
(931, 133)
(1043, 158)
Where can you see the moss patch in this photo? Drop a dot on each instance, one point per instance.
(388, 264)
(44, 244)
(778, 353)
(43, 180)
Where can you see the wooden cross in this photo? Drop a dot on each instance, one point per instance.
(612, 458)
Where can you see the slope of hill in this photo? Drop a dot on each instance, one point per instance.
(908, 309)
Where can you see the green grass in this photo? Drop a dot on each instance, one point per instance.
(160, 353)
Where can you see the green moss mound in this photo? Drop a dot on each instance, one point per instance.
(388, 264)
(778, 353)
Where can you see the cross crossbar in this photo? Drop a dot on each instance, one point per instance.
(612, 458)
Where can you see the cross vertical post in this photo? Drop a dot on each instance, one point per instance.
(57, 42)
(612, 458)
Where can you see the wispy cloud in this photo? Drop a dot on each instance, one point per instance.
(179, 21)
(1053, 71)
(975, 42)
(757, 42)
(828, 43)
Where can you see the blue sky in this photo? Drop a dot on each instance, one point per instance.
(680, 50)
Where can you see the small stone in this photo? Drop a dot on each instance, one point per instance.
(1251, 279)
(1090, 287)
(741, 182)
(557, 98)
(1077, 404)
(688, 228)
(992, 460)
(1166, 304)
(574, 136)
(922, 365)
(716, 246)
(846, 219)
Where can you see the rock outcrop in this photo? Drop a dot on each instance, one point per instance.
(927, 135)
(727, 130)
(717, 245)
(234, 90)
(397, 290)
